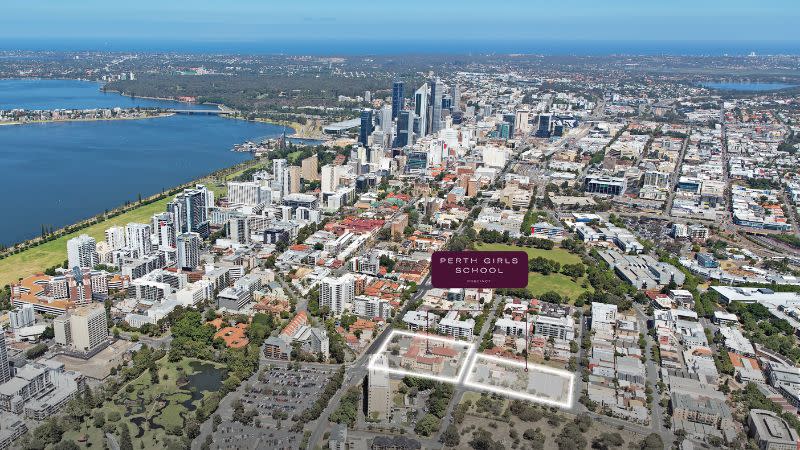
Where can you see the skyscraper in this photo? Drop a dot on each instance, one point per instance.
(188, 250)
(436, 106)
(239, 229)
(328, 181)
(294, 179)
(190, 210)
(386, 118)
(280, 183)
(543, 129)
(405, 123)
(164, 229)
(310, 168)
(137, 237)
(5, 370)
(115, 237)
(421, 110)
(366, 126)
(455, 96)
(397, 98)
(82, 252)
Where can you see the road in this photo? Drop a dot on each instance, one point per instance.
(652, 373)
(357, 370)
(674, 182)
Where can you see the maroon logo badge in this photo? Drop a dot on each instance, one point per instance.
(490, 269)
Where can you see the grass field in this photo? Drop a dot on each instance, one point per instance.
(558, 255)
(39, 258)
(54, 252)
(148, 410)
(538, 284)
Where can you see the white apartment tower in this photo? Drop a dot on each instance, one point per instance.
(137, 237)
(82, 252)
(335, 293)
(188, 250)
(115, 238)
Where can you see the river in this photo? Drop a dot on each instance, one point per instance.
(55, 174)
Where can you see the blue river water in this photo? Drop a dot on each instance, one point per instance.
(55, 174)
(747, 87)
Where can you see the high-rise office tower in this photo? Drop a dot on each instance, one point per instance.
(82, 252)
(83, 329)
(511, 120)
(188, 250)
(397, 98)
(310, 168)
(405, 133)
(521, 120)
(137, 237)
(455, 96)
(436, 105)
(543, 130)
(386, 118)
(280, 173)
(294, 175)
(366, 126)
(115, 238)
(421, 110)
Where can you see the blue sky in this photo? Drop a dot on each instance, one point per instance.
(396, 21)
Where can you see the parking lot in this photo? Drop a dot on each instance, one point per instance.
(281, 392)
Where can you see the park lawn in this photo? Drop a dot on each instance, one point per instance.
(538, 284)
(557, 254)
(39, 258)
(166, 390)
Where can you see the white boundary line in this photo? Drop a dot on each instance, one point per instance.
(452, 380)
(511, 393)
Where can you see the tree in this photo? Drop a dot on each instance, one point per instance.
(66, 445)
(607, 441)
(427, 425)
(652, 442)
(450, 436)
(125, 442)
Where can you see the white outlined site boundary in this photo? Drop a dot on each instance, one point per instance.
(465, 373)
(531, 370)
(452, 380)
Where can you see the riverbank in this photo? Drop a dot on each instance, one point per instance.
(38, 254)
(98, 119)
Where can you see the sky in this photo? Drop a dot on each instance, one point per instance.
(461, 24)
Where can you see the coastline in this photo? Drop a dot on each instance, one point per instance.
(101, 119)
